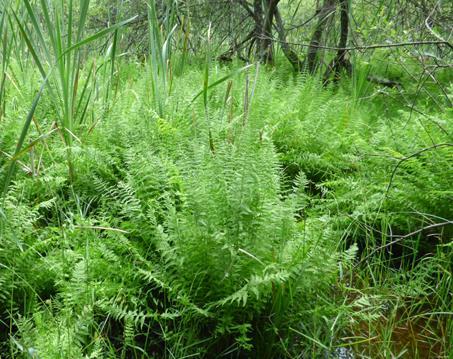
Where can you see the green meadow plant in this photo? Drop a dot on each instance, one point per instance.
(55, 38)
(160, 47)
(7, 42)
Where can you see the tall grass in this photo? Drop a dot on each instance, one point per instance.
(54, 33)
(6, 47)
(161, 34)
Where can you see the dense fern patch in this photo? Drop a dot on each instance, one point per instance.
(210, 234)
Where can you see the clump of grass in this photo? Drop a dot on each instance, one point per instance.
(55, 45)
(160, 62)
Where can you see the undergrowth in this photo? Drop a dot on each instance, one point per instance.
(312, 222)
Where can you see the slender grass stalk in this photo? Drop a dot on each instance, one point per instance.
(206, 74)
(160, 53)
(221, 80)
(6, 42)
(184, 34)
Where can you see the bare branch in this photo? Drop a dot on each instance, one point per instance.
(370, 47)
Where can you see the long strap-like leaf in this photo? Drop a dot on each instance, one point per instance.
(25, 128)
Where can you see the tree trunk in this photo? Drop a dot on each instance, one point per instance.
(289, 53)
(258, 17)
(324, 13)
(341, 61)
(266, 53)
(264, 17)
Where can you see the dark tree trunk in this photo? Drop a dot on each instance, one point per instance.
(289, 53)
(265, 15)
(344, 20)
(326, 10)
(258, 17)
(341, 61)
(266, 53)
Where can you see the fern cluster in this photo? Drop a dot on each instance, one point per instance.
(218, 233)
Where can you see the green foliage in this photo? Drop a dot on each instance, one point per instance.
(275, 218)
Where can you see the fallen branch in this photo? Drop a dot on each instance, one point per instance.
(384, 82)
(402, 237)
(370, 47)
